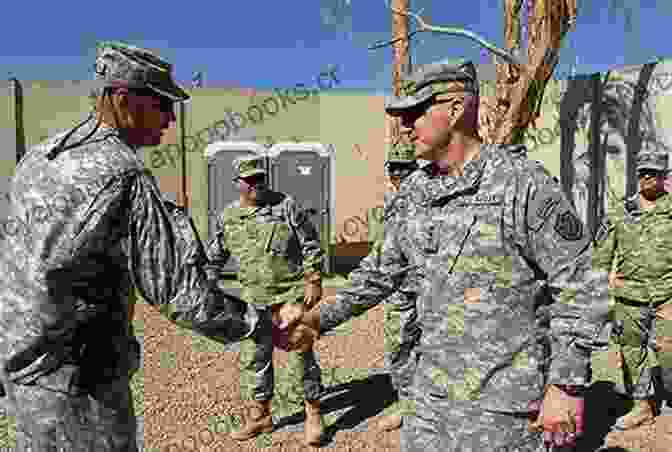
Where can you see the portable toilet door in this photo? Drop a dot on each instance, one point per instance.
(307, 172)
(221, 191)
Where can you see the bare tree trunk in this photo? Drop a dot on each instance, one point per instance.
(400, 60)
(520, 90)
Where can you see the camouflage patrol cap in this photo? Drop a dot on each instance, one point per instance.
(248, 166)
(401, 159)
(656, 161)
(432, 79)
(123, 65)
(401, 153)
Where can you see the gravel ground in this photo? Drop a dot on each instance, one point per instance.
(189, 393)
(192, 398)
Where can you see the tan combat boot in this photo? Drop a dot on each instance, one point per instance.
(643, 413)
(390, 422)
(313, 427)
(258, 420)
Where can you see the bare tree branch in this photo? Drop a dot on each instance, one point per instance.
(452, 31)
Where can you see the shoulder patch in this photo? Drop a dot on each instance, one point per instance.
(546, 208)
(569, 226)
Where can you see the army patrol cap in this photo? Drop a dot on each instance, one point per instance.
(123, 65)
(656, 161)
(432, 79)
(248, 166)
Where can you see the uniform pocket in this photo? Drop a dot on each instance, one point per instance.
(278, 240)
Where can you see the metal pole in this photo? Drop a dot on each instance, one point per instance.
(17, 94)
(183, 137)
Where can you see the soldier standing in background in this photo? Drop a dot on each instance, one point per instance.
(401, 330)
(637, 253)
(477, 230)
(280, 258)
(87, 222)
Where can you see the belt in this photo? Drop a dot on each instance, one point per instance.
(637, 304)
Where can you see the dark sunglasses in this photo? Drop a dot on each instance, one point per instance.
(649, 173)
(165, 103)
(417, 111)
(254, 180)
(396, 167)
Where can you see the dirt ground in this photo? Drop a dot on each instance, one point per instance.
(191, 391)
(191, 394)
(188, 396)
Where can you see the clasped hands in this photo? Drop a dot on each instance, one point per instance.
(299, 323)
(560, 414)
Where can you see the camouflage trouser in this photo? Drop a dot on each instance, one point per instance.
(663, 338)
(401, 337)
(256, 364)
(640, 354)
(52, 416)
(442, 425)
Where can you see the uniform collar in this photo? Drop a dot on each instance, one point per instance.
(445, 186)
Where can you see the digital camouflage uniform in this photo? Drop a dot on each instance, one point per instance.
(401, 329)
(478, 246)
(86, 223)
(639, 246)
(276, 244)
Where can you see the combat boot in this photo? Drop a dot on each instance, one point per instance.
(643, 413)
(390, 422)
(258, 420)
(313, 427)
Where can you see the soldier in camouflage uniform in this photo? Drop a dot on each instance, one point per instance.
(280, 257)
(476, 231)
(87, 223)
(400, 164)
(638, 254)
(401, 330)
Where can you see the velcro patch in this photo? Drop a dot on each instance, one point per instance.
(482, 200)
(546, 209)
(569, 226)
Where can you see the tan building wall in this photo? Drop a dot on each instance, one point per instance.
(352, 121)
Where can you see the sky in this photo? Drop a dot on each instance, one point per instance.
(264, 44)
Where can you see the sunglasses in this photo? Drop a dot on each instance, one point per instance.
(417, 111)
(165, 103)
(649, 173)
(253, 180)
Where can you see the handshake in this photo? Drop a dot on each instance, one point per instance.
(295, 326)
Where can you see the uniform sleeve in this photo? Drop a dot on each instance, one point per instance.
(218, 251)
(168, 265)
(307, 235)
(559, 244)
(604, 251)
(378, 276)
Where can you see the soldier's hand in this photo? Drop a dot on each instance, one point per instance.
(311, 319)
(288, 315)
(312, 294)
(301, 338)
(615, 280)
(560, 417)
